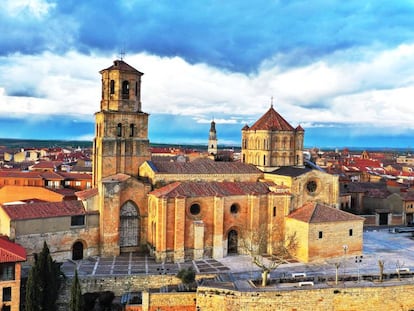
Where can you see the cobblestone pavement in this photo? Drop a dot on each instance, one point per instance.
(395, 249)
(132, 263)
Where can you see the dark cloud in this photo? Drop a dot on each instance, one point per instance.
(235, 35)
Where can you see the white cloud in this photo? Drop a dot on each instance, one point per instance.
(373, 91)
(23, 8)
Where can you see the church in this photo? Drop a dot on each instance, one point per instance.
(203, 208)
(181, 211)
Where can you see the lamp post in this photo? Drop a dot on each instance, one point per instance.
(345, 248)
(358, 260)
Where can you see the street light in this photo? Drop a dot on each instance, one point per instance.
(345, 248)
(358, 260)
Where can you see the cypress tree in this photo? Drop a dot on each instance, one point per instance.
(76, 299)
(44, 281)
(32, 291)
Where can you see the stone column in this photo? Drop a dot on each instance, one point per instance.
(161, 235)
(218, 227)
(179, 229)
(109, 217)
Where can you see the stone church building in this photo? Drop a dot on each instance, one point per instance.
(203, 208)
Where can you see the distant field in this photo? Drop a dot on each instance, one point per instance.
(31, 143)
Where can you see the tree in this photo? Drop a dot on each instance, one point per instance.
(187, 276)
(76, 299)
(381, 264)
(257, 242)
(43, 283)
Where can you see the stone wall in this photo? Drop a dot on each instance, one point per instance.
(390, 297)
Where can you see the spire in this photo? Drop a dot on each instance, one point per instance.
(271, 102)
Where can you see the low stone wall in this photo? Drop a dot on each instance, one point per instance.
(388, 296)
(365, 296)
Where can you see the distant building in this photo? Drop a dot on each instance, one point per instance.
(271, 142)
(212, 139)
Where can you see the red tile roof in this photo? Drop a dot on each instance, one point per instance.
(299, 128)
(206, 189)
(75, 176)
(47, 164)
(51, 176)
(121, 65)
(20, 174)
(86, 194)
(313, 212)
(271, 121)
(203, 166)
(11, 252)
(44, 210)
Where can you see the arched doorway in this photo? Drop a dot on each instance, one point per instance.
(232, 241)
(129, 225)
(77, 251)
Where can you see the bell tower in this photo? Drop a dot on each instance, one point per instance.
(121, 142)
(212, 139)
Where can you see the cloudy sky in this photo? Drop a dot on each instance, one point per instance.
(343, 70)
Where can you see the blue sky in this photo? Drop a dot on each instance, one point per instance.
(343, 70)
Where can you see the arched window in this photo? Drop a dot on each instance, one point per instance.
(264, 159)
(112, 87)
(244, 158)
(136, 88)
(125, 90)
(77, 251)
(234, 208)
(274, 211)
(131, 130)
(119, 130)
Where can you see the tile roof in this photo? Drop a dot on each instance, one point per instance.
(75, 176)
(313, 212)
(51, 176)
(271, 121)
(47, 164)
(362, 186)
(377, 193)
(44, 210)
(203, 166)
(86, 194)
(20, 174)
(120, 177)
(121, 65)
(11, 252)
(291, 171)
(206, 189)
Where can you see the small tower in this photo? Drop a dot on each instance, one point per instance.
(212, 140)
(121, 142)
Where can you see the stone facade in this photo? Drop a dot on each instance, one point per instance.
(272, 142)
(192, 226)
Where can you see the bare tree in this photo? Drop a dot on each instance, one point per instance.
(268, 248)
(381, 269)
(337, 265)
(399, 265)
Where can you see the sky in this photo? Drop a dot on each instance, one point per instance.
(343, 70)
